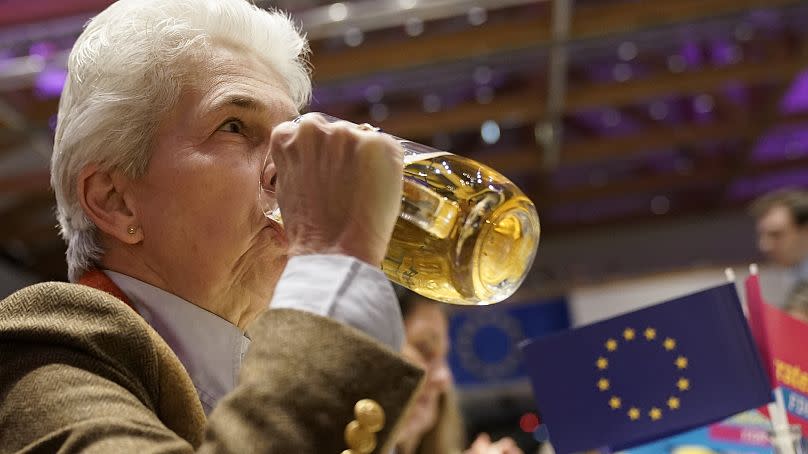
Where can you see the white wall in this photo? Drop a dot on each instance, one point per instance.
(592, 303)
(638, 249)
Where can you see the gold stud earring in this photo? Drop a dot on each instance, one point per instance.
(131, 230)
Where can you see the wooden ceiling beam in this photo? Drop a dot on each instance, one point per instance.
(527, 106)
(664, 183)
(517, 161)
(587, 23)
(763, 119)
(692, 207)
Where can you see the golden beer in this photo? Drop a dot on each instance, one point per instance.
(466, 234)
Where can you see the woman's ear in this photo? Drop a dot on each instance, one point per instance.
(102, 196)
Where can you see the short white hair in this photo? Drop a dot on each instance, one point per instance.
(127, 69)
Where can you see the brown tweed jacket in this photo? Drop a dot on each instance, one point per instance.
(82, 372)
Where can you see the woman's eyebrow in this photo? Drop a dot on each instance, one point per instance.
(239, 101)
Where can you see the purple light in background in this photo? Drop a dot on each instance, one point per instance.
(783, 143)
(319, 96)
(769, 147)
(608, 122)
(703, 106)
(622, 72)
(600, 72)
(667, 111)
(692, 54)
(747, 189)
(703, 103)
(736, 92)
(599, 209)
(663, 162)
(42, 49)
(592, 174)
(724, 53)
(768, 18)
(50, 82)
(658, 110)
(796, 98)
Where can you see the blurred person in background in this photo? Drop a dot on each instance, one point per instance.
(797, 302)
(782, 229)
(433, 424)
(169, 110)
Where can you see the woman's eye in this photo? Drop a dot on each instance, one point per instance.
(232, 126)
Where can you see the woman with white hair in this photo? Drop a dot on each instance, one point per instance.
(168, 113)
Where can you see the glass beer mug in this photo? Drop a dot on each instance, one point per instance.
(465, 234)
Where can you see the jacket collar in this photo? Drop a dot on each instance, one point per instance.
(96, 279)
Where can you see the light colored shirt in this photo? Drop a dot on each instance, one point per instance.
(211, 348)
(801, 271)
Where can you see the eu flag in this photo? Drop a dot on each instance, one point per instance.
(647, 374)
(485, 340)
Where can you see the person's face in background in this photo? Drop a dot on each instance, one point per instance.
(780, 239)
(427, 346)
(798, 314)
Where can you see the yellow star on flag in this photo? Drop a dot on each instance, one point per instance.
(603, 384)
(655, 413)
(615, 402)
(650, 334)
(602, 363)
(629, 334)
(669, 344)
(673, 403)
(683, 384)
(634, 413)
(681, 362)
(611, 345)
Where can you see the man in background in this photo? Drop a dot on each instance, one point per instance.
(782, 229)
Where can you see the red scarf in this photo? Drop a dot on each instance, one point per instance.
(96, 279)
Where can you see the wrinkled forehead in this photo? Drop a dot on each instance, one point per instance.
(229, 76)
(223, 61)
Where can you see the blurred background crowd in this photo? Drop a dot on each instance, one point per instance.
(642, 130)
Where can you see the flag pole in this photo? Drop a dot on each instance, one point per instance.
(785, 439)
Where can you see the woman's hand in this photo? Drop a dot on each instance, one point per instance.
(338, 187)
(484, 445)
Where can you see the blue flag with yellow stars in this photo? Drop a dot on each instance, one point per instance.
(647, 374)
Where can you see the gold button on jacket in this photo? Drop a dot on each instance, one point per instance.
(359, 439)
(369, 414)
